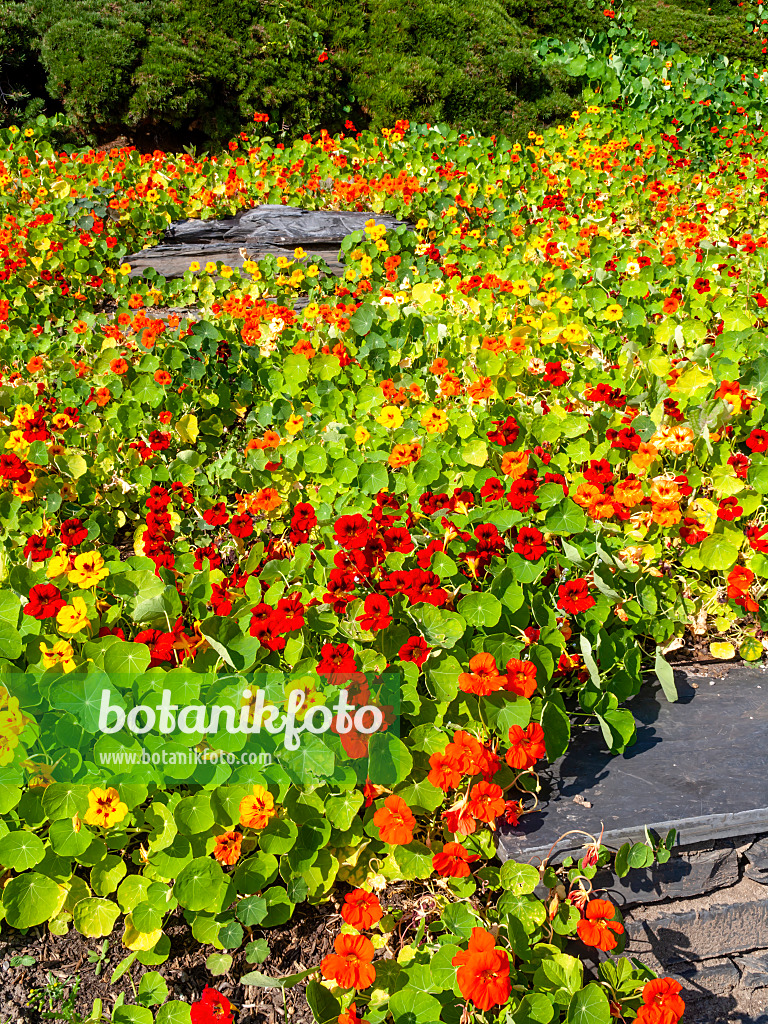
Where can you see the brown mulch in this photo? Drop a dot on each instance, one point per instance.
(295, 946)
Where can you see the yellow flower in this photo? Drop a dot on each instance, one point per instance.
(7, 746)
(313, 270)
(613, 312)
(423, 223)
(22, 415)
(299, 254)
(362, 435)
(434, 421)
(366, 266)
(572, 334)
(105, 808)
(250, 266)
(295, 423)
(312, 696)
(58, 564)
(350, 274)
(390, 417)
(210, 267)
(565, 305)
(73, 617)
(311, 311)
(520, 288)
(89, 570)
(60, 654)
(194, 266)
(16, 441)
(283, 262)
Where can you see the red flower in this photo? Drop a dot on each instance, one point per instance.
(395, 822)
(596, 928)
(211, 1008)
(217, 515)
(44, 601)
(375, 614)
(36, 548)
(530, 543)
(414, 649)
(729, 510)
(574, 597)
(241, 526)
(350, 965)
(526, 746)
(72, 532)
(758, 440)
(352, 531)
(444, 774)
(361, 909)
(322, 58)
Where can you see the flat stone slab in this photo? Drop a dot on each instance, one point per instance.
(699, 765)
(253, 234)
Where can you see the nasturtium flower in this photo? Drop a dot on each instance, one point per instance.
(211, 1008)
(390, 417)
(362, 435)
(88, 571)
(361, 909)
(61, 653)
(350, 965)
(483, 971)
(613, 312)
(294, 424)
(226, 848)
(105, 808)
(74, 616)
(395, 821)
(597, 927)
(257, 808)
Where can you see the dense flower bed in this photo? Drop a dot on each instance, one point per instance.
(514, 455)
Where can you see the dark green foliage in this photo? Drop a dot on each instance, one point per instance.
(168, 72)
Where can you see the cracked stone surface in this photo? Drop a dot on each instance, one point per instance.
(254, 234)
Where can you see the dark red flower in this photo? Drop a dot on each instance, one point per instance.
(44, 601)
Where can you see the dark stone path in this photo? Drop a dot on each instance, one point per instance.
(254, 234)
(699, 765)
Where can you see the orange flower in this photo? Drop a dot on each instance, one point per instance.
(664, 489)
(521, 677)
(450, 385)
(662, 1003)
(227, 848)
(486, 801)
(162, 377)
(587, 494)
(480, 389)
(514, 464)
(404, 454)
(671, 305)
(628, 492)
(483, 676)
(526, 747)
(119, 366)
(257, 808)
(483, 971)
(266, 500)
(395, 821)
(350, 965)
(596, 928)
(666, 513)
(361, 909)
(439, 367)
(103, 396)
(680, 441)
(645, 455)
(35, 364)
(349, 1016)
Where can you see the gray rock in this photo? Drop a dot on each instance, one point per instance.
(699, 765)
(728, 921)
(288, 225)
(686, 875)
(754, 969)
(756, 859)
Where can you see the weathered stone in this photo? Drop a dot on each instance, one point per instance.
(699, 765)
(756, 861)
(254, 234)
(687, 875)
(728, 921)
(754, 969)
